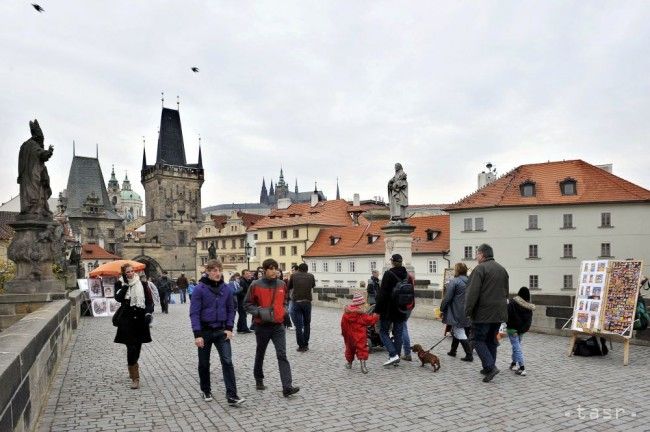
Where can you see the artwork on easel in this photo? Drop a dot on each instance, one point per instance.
(113, 305)
(622, 294)
(95, 288)
(99, 307)
(588, 305)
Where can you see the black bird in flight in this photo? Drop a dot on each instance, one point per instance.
(38, 7)
(195, 69)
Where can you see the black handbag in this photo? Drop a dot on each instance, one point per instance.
(117, 316)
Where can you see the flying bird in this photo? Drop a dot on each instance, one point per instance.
(195, 69)
(38, 7)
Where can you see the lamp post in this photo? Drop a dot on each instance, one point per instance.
(247, 249)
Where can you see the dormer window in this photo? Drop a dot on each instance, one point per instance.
(334, 240)
(527, 188)
(568, 187)
(432, 234)
(372, 238)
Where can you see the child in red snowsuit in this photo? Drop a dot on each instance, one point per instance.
(353, 329)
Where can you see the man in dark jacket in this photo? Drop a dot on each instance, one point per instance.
(486, 304)
(389, 313)
(244, 283)
(212, 313)
(182, 284)
(373, 287)
(164, 291)
(301, 285)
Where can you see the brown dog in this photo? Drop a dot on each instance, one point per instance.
(426, 357)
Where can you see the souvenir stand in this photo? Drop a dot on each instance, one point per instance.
(606, 301)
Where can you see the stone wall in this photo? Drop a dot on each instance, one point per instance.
(30, 352)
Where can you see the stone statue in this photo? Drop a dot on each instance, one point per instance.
(398, 194)
(212, 251)
(33, 178)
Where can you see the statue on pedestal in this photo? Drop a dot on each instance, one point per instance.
(33, 178)
(398, 194)
(212, 251)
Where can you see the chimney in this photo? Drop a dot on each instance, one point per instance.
(284, 203)
(485, 178)
(356, 202)
(314, 199)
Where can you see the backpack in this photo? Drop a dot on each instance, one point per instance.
(641, 315)
(404, 295)
(590, 347)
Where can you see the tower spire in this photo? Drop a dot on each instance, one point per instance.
(296, 188)
(338, 194)
(144, 154)
(162, 99)
(200, 157)
(178, 103)
(73, 152)
(96, 150)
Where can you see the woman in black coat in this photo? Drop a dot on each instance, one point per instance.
(134, 318)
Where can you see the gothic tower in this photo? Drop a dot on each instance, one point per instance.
(281, 187)
(172, 197)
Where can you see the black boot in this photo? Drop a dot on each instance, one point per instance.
(468, 351)
(454, 347)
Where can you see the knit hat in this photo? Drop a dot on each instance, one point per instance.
(358, 300)
(524, 293)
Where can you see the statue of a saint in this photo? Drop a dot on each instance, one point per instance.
(33, 178)
(398, 194)
(212, 251)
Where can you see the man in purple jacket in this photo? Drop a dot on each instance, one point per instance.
(212, 313)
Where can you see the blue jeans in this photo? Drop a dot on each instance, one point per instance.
(406, 339)
(183, 293)
(517, 353)
(301, 316)
(393, 347)
(485, 343)
(218, 338)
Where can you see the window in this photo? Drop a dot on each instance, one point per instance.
(233, 244)
(605, 250)
(527, 189)
(467, 224)
(373, 265)
(204, 260)
(182, 238)
(283, 267)
(111, 247)
(111, 233)
(568, 251)
(269, 235)
(605, 220)
(567, 221)
(254, 251)
(91, 232)
(339, 266)
(267, 250)
(296, 233)
(433, 266)
(478, 224)
(325, 267)
(294, 250)
(283, 250)
(532, 222)
(533, 282)
(254, 236)
(431, 234)
(469, 252)
(283, 234)
(532, 251)
(223, 244)
(568, 282)
(568, 187)
(352, 266)
(313, 266)
(204, 245)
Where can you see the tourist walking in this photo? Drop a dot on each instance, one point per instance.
(486, 305)
(266, 302)
(244, 283)
(453, 310)
(182, 284)
(212, 314)
(133, 318)
(373, 287)
(353, 328)
(301, 285)
(520, 317)
(165, 291)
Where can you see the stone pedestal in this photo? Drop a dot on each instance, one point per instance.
(399, 241)
(35, 247)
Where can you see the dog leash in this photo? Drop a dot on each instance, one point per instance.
(437, 343)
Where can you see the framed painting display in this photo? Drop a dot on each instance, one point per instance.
(95, 288)
(113, 305)
(622, 294)
(99, 307)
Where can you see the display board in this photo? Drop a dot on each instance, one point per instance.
(101, 293)
(606, 296)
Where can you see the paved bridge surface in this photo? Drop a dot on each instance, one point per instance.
(90, 391)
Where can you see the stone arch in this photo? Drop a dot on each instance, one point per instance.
(153, 268)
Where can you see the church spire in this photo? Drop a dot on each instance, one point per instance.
(338, 194)
(264, 196)
(144, 155)
(200, 164)
(271, 189)
(112, 183)
(296, 188)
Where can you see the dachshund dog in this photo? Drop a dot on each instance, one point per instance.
(426, 357)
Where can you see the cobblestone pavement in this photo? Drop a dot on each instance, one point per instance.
(90, 391)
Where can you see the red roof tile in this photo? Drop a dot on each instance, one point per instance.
(593, 185)
(353, 240)
(93, 251)
(334, 212)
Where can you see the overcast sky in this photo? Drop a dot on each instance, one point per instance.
(330, 89)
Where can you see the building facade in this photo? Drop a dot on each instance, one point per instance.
(126, 202)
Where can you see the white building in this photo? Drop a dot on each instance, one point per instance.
(343, 257)
(543, 219)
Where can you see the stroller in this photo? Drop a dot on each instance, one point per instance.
(372, 333)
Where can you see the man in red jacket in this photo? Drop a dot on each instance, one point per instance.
(266, 300)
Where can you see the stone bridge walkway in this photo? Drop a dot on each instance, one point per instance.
(90, 391)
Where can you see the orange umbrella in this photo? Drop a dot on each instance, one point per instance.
(114, 268)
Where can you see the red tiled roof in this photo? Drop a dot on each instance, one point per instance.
(219, 220)
(93, 251)
(334, 212)
(593, 185)
(250, 218)
(353, 240)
